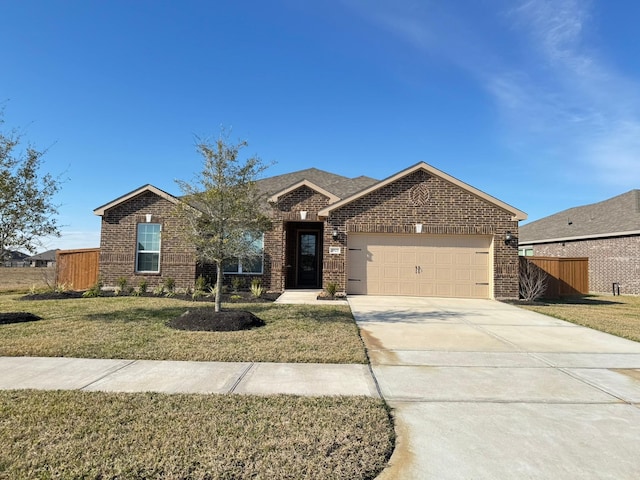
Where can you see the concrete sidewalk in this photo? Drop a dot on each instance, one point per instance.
(308, 379)
(307, 297)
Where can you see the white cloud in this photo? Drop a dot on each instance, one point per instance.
(554, 89)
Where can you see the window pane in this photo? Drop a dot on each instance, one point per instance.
(252, 265)
(148, 262)
(149, 237)
(230, 266)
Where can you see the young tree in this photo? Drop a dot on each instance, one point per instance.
(223, 207)
(27, 212)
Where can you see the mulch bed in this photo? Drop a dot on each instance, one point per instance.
(17, 317)
(208, 320)
(240, 297)
(52, 295)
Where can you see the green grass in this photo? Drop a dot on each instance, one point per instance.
(95, 435)
(134, 328)
(618, 315)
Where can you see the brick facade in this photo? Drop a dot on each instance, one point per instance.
(118, 243)
(615, 259)
(448, 210)
(443, 208)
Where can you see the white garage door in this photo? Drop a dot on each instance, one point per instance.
(419, 265)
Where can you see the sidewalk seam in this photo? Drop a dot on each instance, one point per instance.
(108, 374)
(241, 377)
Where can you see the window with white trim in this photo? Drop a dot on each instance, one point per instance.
(148, 248)
(525, 251)
(253, 264)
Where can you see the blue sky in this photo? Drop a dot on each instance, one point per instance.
(536, 102)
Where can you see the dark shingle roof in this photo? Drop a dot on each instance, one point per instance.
(615, 215)
(337, 184)
(48, 256)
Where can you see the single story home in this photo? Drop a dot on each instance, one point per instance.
(607, 232)
(43, 259)
(418, 232)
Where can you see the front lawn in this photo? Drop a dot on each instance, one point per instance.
(618, 315)
(135, 328)
(71, 434)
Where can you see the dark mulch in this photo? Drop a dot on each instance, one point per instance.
(52, 295)
(17, 317)
(208, 320)
(240, 297)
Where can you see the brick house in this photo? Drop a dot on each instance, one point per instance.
(607, 232)
(418, 232)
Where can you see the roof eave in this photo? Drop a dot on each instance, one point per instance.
(593, 236)
(100, 211)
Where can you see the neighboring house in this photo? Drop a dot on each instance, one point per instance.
(419, 232)
(608, 233)
(12, 258)
(44, 259)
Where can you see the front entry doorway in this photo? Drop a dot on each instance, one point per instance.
(304, 255)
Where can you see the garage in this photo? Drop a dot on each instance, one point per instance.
(419, 265)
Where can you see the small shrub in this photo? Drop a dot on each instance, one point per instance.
(62, 287)
(201, 283)
(169, 284)
(257, 290)
(94, 291)
(158, 290)
(237, 283)
(142, 288)
(331, 289)
(533, 280)
(235, 298)
(122, 283)
(212, 291)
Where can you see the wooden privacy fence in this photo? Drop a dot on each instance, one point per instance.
(77, 269)
(566, 276)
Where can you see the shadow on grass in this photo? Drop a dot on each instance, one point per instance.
(579, 300)
(128, 315)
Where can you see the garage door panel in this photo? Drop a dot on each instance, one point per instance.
(425, 265)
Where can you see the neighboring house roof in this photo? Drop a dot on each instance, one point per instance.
(517, 214)
(614, 217)
(145, 188)
(48, 256)
(13, 255)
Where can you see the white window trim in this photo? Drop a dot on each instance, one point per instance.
(138, 252)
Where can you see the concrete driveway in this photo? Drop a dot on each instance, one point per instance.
(481, 389)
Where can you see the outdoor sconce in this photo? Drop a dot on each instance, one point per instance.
(334, 234)
(509, 239)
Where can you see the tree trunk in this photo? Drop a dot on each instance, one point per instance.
(218, 286)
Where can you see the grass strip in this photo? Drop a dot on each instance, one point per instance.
(71, 434)
(619, 315)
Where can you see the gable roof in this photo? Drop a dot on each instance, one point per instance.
(613, 217)
(128, 196)
(516, 214)
(304, 183)
(48, 256)
(336, 185)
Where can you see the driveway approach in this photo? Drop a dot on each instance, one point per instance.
(481, 389)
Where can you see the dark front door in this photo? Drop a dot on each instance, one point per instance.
(308, 260)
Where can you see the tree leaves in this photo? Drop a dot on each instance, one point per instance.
(27, 212)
